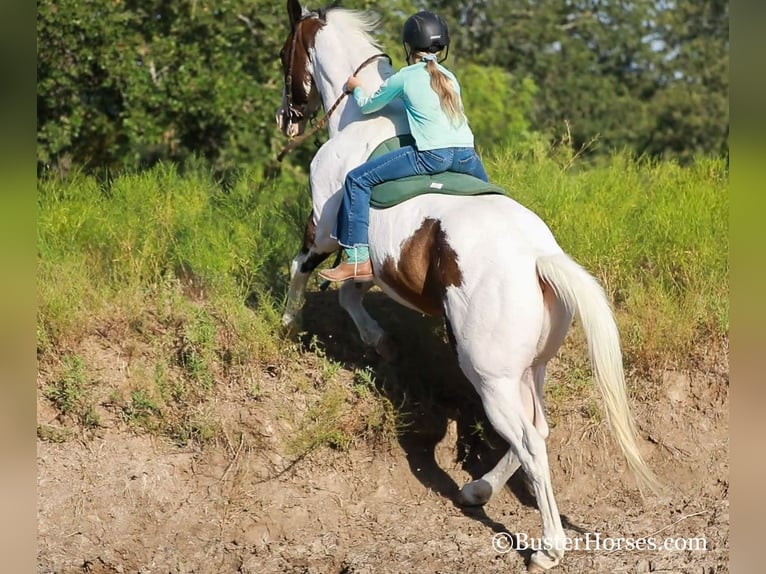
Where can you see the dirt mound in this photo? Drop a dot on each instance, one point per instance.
(116, 500)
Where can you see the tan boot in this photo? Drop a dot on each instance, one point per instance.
(357, 271)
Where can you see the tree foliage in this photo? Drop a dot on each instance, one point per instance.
(649, 75)
(499, 116)
(127, 82)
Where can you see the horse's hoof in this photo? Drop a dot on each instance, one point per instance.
(476, 493)
(290, 329)
(386, 349)
(540, 562)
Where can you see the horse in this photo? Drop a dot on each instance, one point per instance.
(490, 266)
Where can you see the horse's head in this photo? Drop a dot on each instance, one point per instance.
(300, 98)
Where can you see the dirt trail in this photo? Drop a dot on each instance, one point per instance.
(125, 502)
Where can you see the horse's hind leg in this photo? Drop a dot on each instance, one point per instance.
(307, 259)
(506, 413)
(480, 491)
(501, 360)
(351, 295)
(556, 322)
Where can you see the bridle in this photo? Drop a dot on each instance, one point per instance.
(293, 112)
(300, 113)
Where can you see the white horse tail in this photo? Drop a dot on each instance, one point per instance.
(579, 291)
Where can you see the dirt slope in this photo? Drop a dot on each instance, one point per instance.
(120, 501)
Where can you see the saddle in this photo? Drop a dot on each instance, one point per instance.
(394, 192)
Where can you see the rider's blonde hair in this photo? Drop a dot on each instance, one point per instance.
(441, 84)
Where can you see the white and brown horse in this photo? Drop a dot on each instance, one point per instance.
(487, 264)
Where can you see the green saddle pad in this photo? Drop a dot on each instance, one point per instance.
(391, 193)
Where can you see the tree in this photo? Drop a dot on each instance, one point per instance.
(691, 109)
(622, 71)
(128, 82)
(124, 83)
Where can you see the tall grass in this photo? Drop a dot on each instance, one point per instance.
(100, 242)
(195, 271)
(184, 275)
(655, 233)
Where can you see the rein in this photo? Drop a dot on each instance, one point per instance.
(292, 144)
(289, 78)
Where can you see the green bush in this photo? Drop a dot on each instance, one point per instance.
(498, 106)
(123, 83)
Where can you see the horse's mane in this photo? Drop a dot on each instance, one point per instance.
(361, 22)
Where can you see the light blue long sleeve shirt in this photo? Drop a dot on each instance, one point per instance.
(429, 125)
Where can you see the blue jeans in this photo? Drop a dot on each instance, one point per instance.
(354, 215)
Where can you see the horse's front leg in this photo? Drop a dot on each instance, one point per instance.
(303, 264)
(350, 296)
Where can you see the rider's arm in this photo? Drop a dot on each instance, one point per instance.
(389, 90)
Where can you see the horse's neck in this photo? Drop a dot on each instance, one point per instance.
(352, 135)
(335, 61)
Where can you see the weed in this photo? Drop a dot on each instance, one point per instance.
(592, 411)
(53, 434)
(70, 393)
(196, 352)
(364, 381)
(478, 430)
(323, 423)
(255, 391)
(90, 418)
(330, 368)
(193, 427)
(198, 273)
(142, 410)
(67, 393)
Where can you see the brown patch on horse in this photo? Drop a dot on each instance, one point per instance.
(295, 57)
(309, 234)
(313, 258)
(427, 267)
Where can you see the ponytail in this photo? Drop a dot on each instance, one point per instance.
(442, 85)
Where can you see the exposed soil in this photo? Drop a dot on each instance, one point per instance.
(117, 500)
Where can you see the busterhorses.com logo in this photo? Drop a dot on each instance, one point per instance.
(504, 542)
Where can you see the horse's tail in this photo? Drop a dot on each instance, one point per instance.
(581, 293)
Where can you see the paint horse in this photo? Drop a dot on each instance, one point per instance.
(488, 265)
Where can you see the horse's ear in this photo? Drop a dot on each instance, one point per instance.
(295, 12)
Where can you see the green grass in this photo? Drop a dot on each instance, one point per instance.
(192, 275)
(654, 233)
(340, 409)
(70, 392)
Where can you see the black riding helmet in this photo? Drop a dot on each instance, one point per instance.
(425, 32)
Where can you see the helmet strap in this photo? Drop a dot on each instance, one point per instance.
(446, 53)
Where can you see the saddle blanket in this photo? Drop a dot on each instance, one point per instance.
(391, 193)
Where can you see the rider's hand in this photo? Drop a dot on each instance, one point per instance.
(352, 82)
